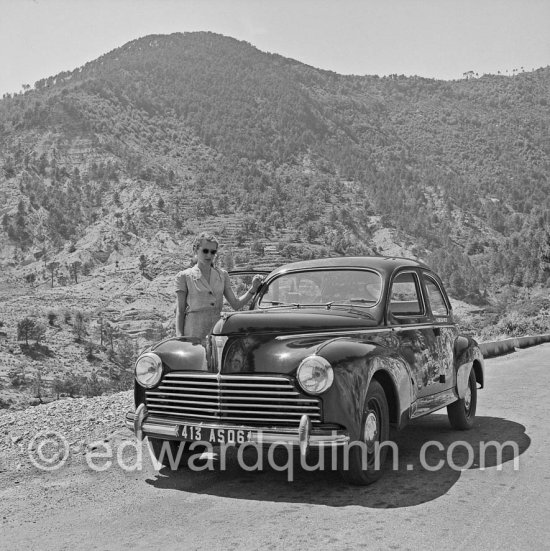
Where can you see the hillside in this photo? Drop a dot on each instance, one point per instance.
(107, 171)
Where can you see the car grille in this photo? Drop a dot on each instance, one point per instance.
(252, 400)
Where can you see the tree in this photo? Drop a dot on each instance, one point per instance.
(38, 332)
(142, 264)
(28, 328)
(79, 325)
(62, 279)
(74, 268)
(110, 333)
(24, 329)
(52, 267)
(38, 384)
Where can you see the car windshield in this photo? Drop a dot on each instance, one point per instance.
(323, 288)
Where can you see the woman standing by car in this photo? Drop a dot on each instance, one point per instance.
(201, 288)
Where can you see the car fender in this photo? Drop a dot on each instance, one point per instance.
(467, 354)
(182, 354)
(355, 363)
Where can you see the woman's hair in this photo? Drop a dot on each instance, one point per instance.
(204, 236)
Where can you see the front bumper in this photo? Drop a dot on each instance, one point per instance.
(306, 436)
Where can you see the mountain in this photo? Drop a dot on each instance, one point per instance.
(107, 171)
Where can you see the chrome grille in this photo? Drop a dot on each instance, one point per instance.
(248, 399)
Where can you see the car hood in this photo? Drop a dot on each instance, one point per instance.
(252, 347)
(302, 320)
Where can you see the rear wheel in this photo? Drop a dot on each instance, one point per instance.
(462, 413)
(361, 466)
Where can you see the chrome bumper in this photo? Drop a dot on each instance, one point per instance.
(304, 437)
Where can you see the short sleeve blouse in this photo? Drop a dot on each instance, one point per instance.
(202, 294)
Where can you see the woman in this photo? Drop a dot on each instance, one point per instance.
(201, 288)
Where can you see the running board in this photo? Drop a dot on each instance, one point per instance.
(429, 404)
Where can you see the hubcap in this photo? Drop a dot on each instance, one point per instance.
(371, 429)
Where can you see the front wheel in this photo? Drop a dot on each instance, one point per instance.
(361, 463)
(462, 413)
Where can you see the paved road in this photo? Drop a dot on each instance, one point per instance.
(505, 505)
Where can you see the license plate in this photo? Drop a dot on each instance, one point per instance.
(214, 436)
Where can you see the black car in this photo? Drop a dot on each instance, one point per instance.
(331, 352)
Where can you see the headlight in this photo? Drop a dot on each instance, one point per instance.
(315, 374)
(148, 370)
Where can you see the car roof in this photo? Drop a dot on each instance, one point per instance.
(383, 264)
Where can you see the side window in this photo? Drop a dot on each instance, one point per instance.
(437, 302)
(405, 299)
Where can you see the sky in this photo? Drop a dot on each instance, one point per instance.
(440, 39)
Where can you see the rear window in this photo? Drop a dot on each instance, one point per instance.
(435, 296)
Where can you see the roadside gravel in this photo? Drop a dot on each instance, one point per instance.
(78, 424)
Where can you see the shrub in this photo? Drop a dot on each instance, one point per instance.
(57, 387)
(5, 403)
(257, 248)
(70, 385)
(92, 386)
(17, 378)
(90, 349)
(516, 324)
(126, 352)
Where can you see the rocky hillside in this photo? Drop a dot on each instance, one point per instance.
(107, 171)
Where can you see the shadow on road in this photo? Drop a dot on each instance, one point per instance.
(410, 483)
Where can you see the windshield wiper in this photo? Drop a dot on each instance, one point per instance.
(351, 307)
(350, 301)
(277, 304)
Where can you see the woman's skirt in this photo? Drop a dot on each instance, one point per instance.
(199, 324)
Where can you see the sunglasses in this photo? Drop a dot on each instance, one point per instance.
(211, 251)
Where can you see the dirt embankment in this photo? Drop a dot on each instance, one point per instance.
(72, 424)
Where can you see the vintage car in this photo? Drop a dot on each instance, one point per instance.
(331, 352)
